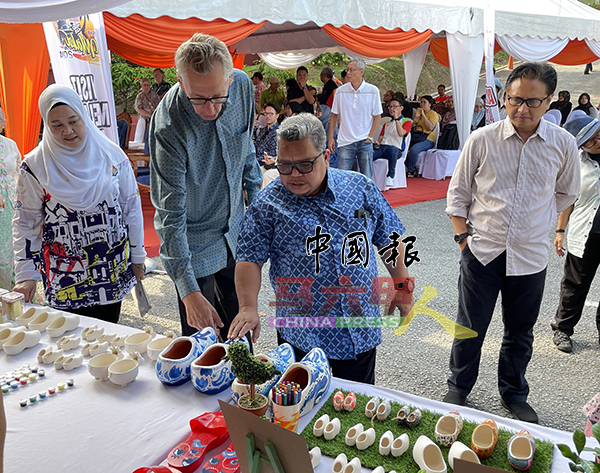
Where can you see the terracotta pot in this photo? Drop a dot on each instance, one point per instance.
(258, 411)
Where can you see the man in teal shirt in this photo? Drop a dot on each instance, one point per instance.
(202, 159)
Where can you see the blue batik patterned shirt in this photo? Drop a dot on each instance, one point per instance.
(277, 226)
(198, 171)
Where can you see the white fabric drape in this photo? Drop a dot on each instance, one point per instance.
(465, 55)
(35, 11)
(594, 46)
(413, 65)
(531, 49)
(293, 59)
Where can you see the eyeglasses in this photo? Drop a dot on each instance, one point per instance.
(303, 168)
(268, 114)
(531, 103)
(213, 100)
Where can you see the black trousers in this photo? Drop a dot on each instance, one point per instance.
(362, 369)
(478, 289)
(107, 312)
(219, 290)
(575, 285)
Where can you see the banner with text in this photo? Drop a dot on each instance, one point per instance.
(80, 60)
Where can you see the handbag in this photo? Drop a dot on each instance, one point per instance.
(416, 136)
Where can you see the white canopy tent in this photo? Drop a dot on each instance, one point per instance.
(532, 30)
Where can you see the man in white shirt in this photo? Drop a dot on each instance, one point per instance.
(511, 181)
(358, 106)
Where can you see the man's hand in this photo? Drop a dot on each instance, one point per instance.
(138, 271)
(200, 313)
(27, 288)
(246, 320)
(404, 308)
(559, 241)
(331, 145)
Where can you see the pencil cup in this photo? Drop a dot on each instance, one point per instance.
(287, 416)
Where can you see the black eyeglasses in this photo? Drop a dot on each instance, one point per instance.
(303, 168)
(531, 103)
(213, 100)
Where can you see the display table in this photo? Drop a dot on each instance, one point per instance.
(100, 427)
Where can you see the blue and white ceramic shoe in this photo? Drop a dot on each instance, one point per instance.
(384, 409)
(211, 373)
(313, 375)
(282, 357)
(174, 362)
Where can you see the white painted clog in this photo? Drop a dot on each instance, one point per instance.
(353, 466)
(400, 445)
(429, 456)
(7, 333)
(339, 463)
(365, 439)
(93, 333)
(332, 429)
(72, 361)
(98, 348)
(119, 341)
(62, 324)
(461, 451)
(19, 341)
(51, 356)
(107, 337)
(41, 321)
(385, 443)
(68, 342)
(353, 433)
(27, 316)
(320, 424)
(315, 456)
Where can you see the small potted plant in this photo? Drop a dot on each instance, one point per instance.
(577, 463)
(251, 371)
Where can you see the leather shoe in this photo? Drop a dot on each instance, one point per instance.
(452, 397)
(521, 410)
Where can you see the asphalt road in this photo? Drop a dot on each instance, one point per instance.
(417, 361)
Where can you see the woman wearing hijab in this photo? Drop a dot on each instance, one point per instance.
(78, 219)
(478, 119)
(563, 104)
(10, 160)
(585, 105)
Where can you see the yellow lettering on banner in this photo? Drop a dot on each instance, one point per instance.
(455, 330)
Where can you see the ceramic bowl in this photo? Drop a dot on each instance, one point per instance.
(98, 365)
(125, 371)
(139, 341)
(159, 344)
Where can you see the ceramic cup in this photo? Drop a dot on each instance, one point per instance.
(287, 416)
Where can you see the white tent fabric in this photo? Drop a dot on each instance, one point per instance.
(465, 56)
(531, 49)
(38, 11)
(293, 59)
(413, 65)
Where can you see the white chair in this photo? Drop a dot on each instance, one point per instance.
(556, 114)
(380, 170)
(437, 164)
(550, 118)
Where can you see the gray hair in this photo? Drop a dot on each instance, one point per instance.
(303, 126)
(360, 63)
(328, 71)
(201, 52)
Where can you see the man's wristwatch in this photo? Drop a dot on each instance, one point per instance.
(560, 230)
(458, 238)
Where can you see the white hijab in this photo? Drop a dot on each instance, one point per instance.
(78, 178)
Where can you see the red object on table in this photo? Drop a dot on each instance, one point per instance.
(224, 462)
(208, 432)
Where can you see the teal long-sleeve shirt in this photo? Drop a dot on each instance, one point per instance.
(198, 171)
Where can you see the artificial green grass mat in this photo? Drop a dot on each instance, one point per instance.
(371, 458)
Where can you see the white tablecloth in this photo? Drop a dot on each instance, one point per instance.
(100, 427)
(437, 164)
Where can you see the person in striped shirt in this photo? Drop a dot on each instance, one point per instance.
(512, 179)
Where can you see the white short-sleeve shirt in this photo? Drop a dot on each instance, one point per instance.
(355, 110)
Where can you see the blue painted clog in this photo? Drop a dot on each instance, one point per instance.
(174, 362)
(313, 375)
(211, 372)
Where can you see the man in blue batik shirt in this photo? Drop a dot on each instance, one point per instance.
(319, 227)
(202, 159)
